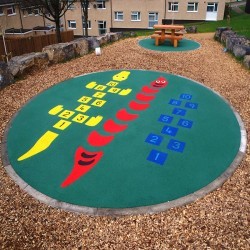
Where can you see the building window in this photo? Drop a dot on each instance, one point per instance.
(174, 6)
(71, 5)
(152, 19)
(30, 12)
(72, 24)
(212, 7)
(102, 27)
(118, 16)
(135, 16)
(11, 10)
(36, 12)
(1, 11)
(192, 7)
(100, 4)
(88, 24)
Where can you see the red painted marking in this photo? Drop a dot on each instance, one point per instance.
(138, 106)
(123, 115)
(84, 161)
(160, 82)
(144, 98)
(97, 140)
(112, 127)
(148, 90)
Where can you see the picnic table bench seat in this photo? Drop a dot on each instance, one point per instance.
(174, 39)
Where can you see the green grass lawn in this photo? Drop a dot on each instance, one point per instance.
(240, 23)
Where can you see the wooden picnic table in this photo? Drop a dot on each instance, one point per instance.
(171, 32)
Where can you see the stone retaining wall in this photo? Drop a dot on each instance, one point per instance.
(56, 53)
(236, 44)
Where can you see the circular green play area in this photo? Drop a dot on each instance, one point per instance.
(123, 142)
(183, 45)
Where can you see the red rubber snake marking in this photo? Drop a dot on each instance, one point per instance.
(84, 160)
(112, 127)
(124, 115)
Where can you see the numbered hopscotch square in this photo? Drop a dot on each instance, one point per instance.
(99, 94)
(174, 102)
(100, 87)
(185, 123)
(165, 118)
(154, 139)
(98, 103)
(84, 99)
(157, 157)
(66, 114)
(191, 105)
(168, 130)
(186, 96)
(83, 108)
(112, 83)
(179, 111)
(177, 146)
(80, 118)
(62, 124)
(114, 90)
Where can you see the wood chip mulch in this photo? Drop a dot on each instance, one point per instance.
(220, 220)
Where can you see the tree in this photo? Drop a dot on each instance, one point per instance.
(85, 6)
(247, 8)
(52, 10)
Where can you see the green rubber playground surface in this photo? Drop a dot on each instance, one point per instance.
(183, 45)
(122, 139)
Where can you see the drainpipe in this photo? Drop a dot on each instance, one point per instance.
(165, 8)
(111, 14)
(20, 16)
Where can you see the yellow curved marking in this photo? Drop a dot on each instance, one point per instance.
(122, 76)
(42, 144)
(56, 110)
(91, 85)
(125, 91)
(93, 121)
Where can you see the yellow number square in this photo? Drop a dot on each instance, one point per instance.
(100, 87)
(98, 103)
(83, 108)
(84, 99)
(99, 94)
(62, 124)
(112, 84)
(66, 114)
(80, 118)
(114, 90)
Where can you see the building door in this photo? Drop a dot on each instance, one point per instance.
(102, 27)
(152, 19)
(212, 11)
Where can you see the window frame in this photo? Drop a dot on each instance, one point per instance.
(137, 14)
(13, 10)
(172, 5)
(88, 24)
(194, 5)
(1, 11)
(70, 22)
(214, 5)
(119, 14)
(100, 4)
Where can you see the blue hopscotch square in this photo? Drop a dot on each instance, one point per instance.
(165, 118)
(168, 130)
(191, 105)
(154, 139)
(177, 146)
(178, 111)
(157, 157)
(186, 96)
(185, 123)
(175, 102)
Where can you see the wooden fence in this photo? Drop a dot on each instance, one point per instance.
(19, 46)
